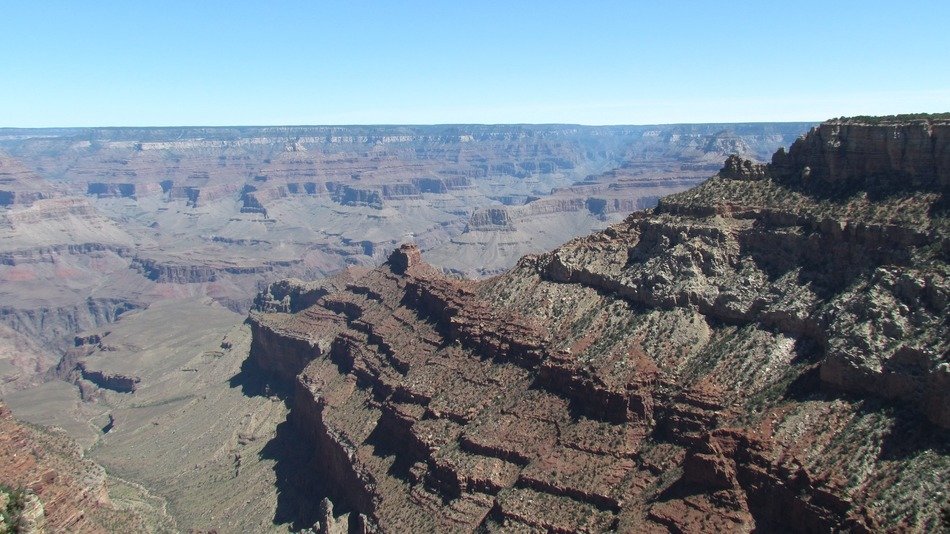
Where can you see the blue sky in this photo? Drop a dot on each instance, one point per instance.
(207, 62)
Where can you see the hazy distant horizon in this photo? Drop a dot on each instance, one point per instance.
(395, 125)
(459, 123)
(338, 63)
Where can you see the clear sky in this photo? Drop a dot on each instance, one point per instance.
(209, 62)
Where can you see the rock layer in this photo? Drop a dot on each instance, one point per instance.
(870, 153)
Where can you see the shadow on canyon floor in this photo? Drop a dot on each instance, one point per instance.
(256, 382)
(299, 486)
(299, 491)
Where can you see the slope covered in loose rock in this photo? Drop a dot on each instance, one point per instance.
(766, 351)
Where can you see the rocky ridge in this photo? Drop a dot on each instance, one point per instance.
(757, 352)
(97, 225)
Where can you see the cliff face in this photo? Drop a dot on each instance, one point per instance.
(747, 356)
(870, 153)
(490, 219)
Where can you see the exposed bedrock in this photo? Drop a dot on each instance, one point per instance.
(289, 296)
(737, 168)
(49, 254)
(303, 188)
(393, 191)
(189, 194)
(746, 357)
(355, 196)
(104, 190)
(443, 185)
(20, 186)
(11, 198)
(159, 271)
(849, 287)
(296, 351)
(255, 197)
(178, 273)
(875, 153)
(413, 389)
(490, 219)
(62, 491)
(249, 199)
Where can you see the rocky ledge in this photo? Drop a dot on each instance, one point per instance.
(749, 356)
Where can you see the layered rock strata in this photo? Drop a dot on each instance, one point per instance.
(19, 186)
(746, 357)
(871, 153)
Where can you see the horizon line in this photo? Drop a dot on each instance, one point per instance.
(406, 124)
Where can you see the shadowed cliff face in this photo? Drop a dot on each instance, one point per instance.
(748, 356)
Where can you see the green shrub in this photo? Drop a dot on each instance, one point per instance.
(10, 513)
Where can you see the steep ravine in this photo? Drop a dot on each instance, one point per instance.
(760, 352)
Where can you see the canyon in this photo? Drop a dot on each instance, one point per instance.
(764, 348)
(95, 223)
(765, 351)
(130, 256)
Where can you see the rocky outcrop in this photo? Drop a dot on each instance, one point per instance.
(55, 326)
(11, 198)
(354, 196)
(49, 254)
(305, 188)
(746, 357)
(289, 296)
(189, 194)
(115, 382)
(490, 219)
(19, 186)
(872, 153)
(552, 205)
(501, 218)
(42, 209)
(251, 204)
(417, 186)
(737, 168)
(172, 272)
(163, 272)
(107, 190)
(394, 191)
